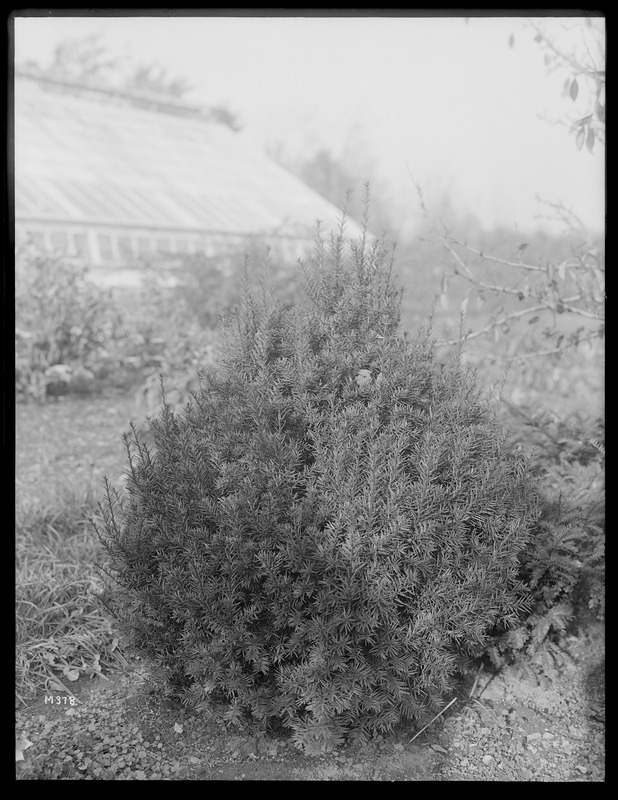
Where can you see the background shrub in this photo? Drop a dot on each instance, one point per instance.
(564, 563)
(74, 336)
(61, 318)
(174, 317)
(331, 526)
(207, 287)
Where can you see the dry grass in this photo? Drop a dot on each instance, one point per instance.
(61, 632)
(63, 450)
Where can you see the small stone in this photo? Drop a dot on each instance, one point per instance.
(582, 769)
(398, 748)
(533, 736)
(250, 748)
(487, 759)
(548, 735)
(464, 762)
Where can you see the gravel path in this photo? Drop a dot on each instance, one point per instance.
(521, 731)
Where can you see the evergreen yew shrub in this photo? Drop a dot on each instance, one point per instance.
(329, 528)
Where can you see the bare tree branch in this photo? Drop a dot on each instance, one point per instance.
(496, 259)
(495, 324)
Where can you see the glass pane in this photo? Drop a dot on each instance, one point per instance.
(125, 247)
(80, 243)
(144, 246)
(105, 247)
(59, 243)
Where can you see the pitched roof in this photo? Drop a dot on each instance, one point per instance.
(97, 157)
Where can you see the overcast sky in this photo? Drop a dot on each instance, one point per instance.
(447, 100)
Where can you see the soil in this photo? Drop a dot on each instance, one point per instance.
(500, 728)
(507, 729)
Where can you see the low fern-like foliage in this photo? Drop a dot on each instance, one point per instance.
(331, 526)
(564, 563)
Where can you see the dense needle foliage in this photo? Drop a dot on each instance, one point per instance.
(332, 525)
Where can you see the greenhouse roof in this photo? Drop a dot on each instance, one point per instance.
(98, 157)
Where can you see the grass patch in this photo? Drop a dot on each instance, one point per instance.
(61, 632)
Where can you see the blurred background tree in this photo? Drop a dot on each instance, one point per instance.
(340, 175)
(88, 61)
(85, 60)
